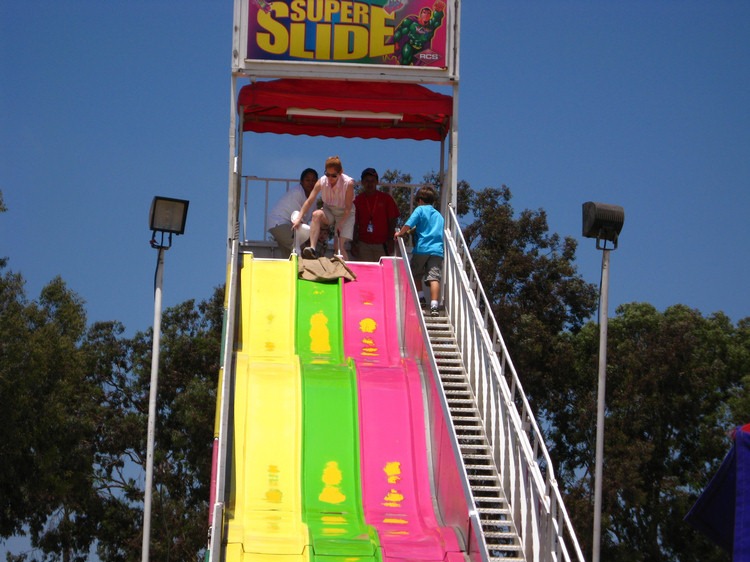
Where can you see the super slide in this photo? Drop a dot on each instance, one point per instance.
(332, 446)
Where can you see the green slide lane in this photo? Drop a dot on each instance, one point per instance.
(331, 487)
(319, 336)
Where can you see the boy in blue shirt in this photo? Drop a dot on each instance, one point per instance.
(427, 255)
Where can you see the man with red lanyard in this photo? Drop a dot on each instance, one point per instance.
(375, 218)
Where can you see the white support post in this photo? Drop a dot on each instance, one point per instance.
(603, 304)
(147, 492)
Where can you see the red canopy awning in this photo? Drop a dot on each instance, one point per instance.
(379, 110)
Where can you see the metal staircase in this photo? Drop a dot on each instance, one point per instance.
(516, 510)
(501, 537)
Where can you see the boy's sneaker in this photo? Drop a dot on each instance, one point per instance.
(434, 311)
(422, 302)
(309, 253)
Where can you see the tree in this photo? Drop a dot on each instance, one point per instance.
(73, 443)
(739, 401)
(188, 376)
(401, 195)
(47, 433)
(668, 379)
(530, 279)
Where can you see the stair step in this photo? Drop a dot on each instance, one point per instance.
(474, 446)
(474, 456)
(490, 502)
(463, 410)
(473, 427)
(466, 437)
(487, 489)
(499, 535)
(484, 480)
(493, 511)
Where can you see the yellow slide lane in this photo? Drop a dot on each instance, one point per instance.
(265, 510)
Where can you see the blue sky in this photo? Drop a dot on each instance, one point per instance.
(643, 104)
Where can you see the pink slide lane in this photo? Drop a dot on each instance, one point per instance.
(395, 479)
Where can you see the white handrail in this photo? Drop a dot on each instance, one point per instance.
(217, 521)
(474, 531)
(270, 189)
(520, 453)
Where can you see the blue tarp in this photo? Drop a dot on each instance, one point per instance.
(722, 512)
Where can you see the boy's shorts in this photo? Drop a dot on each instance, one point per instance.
(334, 215)
(427, 266)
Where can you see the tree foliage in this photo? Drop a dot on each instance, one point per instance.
(531, 281)
(73, 443)
(401, 195)
(48, 434)
(669, 375)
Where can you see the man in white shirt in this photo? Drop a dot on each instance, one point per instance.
(280, 217)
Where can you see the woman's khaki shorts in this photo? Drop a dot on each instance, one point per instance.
(334, 216)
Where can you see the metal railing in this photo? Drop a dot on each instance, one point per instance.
(471, 528)
(519, 450)
(269, 190)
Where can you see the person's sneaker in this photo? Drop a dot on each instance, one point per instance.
(422, 302)
(309, 253)
(434, 311)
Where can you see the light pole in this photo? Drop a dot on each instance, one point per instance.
(603, 222)
(167, 216)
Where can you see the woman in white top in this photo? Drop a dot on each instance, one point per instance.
(337, 191)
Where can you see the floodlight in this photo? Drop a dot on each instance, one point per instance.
(168, 215)
(602, 221)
